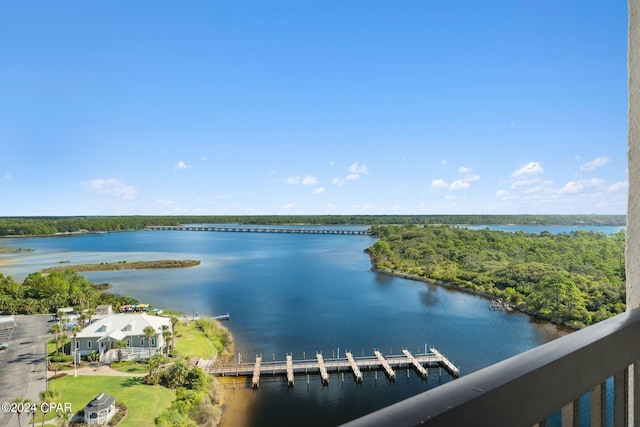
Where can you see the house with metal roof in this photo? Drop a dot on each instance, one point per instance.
(102, 335)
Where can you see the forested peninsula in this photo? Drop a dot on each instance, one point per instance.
(574, 279)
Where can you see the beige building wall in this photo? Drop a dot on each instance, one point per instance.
(633, 209)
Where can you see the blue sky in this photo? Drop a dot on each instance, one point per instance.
(307, 107)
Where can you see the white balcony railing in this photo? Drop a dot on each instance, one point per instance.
(526, 389)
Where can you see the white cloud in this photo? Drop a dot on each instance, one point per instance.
(203, 158)
(578, 186)
(318, 190)
(287, 207)
(531, 168)
(111, 186)
(355, 168)
(524, 182)
(444, 162)
(595, 164)
(505, 195)
(304, 180)
(309, 180)
(439, 184)
(622, 185)
(459, 185)
(535, 190)
(182, 165)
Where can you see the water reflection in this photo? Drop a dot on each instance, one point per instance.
(429, 297)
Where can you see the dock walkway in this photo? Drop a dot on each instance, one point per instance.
(255, 382)
(324, 376)
(321, 366)
(385, 365)
(354, 367)
(416, 365)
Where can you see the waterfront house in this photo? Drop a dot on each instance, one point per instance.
(102, 335)
(100, 410)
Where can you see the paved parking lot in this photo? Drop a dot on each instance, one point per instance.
(22, 364)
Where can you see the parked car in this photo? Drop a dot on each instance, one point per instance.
(4, 345)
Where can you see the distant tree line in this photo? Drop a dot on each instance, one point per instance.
(25, 226)
(575, 278)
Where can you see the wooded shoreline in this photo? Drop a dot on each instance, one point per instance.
(571, 279)
(487, 295)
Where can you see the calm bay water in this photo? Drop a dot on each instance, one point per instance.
(298, 293)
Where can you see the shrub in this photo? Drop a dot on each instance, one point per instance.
(61, 358)
(56, 376)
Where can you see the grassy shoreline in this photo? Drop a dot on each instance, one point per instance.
(124, 265)
(5, 251)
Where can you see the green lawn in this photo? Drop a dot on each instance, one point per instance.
(193, 342)
(144, 402)
(132, 368)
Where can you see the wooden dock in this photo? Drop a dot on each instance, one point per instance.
(290, 370)
(416, 365)
(450, 367)
(354, 367)
(324, 376)
(385, 365)
(420, 363)
(255, 381)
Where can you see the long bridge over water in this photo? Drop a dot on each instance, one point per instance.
(420, 363)
(261, 229)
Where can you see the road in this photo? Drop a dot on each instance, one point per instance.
(22, 365)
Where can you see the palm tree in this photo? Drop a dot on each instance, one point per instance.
(64, 418)
(75, 331)
(47, 396)
(155, 362)
(120, 344)
(63, 325)
(83, 319)
(90, 313)
(149, 332)
(63, 341)
(56, 330)
(166, 334)
(20, 403)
